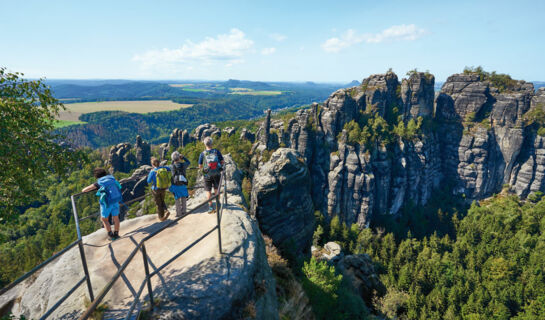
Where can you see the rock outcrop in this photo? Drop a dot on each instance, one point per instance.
(476, 136)
(360, 271)
(206, 130)
(179, 138)
(143, 152)
(281, 201)
(201, 284)
(247, 135)
(121, 158)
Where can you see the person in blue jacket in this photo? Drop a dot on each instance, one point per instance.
(179, 182)
(109, 191)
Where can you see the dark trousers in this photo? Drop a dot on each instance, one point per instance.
(159, 197)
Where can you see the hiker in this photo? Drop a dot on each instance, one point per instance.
(179, 182)
(160, 177)
(109, 191)
(211, 162)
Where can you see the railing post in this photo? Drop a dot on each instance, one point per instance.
(218, 208)
(82, 251)
(148, 279)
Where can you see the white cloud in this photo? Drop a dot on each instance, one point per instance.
(228, 48)
(402, 32)
(268, 51)
(277, 37)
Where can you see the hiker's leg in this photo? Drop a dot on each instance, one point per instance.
(157, 199)
(183, 201)
(106, 224)
(163, 195)
(208, 189)
(179, 207)
(116, 223)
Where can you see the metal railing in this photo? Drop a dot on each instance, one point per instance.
(141, 246)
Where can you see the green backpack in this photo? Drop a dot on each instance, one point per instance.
(163, 178)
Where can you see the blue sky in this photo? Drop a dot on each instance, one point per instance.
(322, 41)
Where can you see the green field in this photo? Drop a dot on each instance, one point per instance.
(250, 92)
(74, 110)
(66, 123)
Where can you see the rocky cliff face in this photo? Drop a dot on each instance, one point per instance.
(473, 137)
(281, 200)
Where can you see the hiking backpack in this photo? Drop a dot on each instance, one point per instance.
(110, 190)
(178, 176)
(163, 177)
(212, 166)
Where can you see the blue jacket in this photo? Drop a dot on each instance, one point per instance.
(180, 191)
(152, 176)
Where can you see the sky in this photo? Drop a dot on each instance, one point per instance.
(320, 41)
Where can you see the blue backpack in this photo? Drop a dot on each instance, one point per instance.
(110, 190)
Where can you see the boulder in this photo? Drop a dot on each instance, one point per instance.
(206, 130)
(361, 274)
(247, 135)
(281, 201)
(230, 131)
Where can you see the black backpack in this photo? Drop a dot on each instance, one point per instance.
(178, 174)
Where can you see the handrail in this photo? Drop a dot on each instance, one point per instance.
(141, 247)
(36, 268)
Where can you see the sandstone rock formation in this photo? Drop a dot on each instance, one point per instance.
(143, 152)
(120, 157)
(201, 284)
(229, 131)
(474, 138)
(247, 135)
(281, 201)
(179, 138)
(360, 272)
(206, 130)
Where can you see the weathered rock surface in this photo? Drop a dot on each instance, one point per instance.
(179, 138)
(121, 158)
(247, 135)
(143, 152)
(281, 200)
(205, 130)
(478, 141)
(201, 284)
(360, 271)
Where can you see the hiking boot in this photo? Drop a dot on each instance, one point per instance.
(116, 235)
(110, 235)
(164, 217)
(210, 209)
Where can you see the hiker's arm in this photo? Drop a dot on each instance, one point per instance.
(89, 188)
(151, 175)
(187, 162)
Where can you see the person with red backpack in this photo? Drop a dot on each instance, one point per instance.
(211, 162)
(109, 191)
(160, 178)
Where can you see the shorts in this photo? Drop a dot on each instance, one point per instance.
(112, 210)
(212, 181)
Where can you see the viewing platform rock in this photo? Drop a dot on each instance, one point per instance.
(200, 284)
